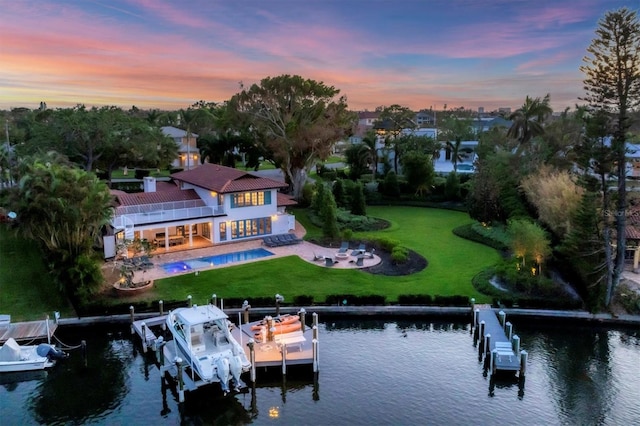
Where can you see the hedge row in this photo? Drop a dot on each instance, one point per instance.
(98, 308)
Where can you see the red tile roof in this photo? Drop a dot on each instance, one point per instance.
(632, 233)
(224, 180)
(168, 196)
(286, 200)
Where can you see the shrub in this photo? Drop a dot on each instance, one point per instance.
(303, 300)
(141, 173)
(399, 254)
(387, 244)
(415, 299)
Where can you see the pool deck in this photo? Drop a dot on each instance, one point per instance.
(304, 250)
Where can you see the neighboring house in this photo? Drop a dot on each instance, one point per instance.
(187, 148)
(209, 205)
(365, 122)
(484, 124)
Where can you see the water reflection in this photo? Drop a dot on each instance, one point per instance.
(73, 392)
(394, 372)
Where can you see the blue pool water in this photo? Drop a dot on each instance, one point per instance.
(210, 261)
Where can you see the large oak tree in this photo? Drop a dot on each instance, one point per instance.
(299, 119)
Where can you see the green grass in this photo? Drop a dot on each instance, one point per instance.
(26, 290)
(453, 262)
(131, 174)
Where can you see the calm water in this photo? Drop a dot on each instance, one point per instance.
(386, 372)
(219, 259)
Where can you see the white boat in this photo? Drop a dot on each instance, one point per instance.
(14, 357)
(202, 337)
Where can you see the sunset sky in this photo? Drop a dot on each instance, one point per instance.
(416, 53)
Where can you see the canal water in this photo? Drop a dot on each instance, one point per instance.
(375, 372)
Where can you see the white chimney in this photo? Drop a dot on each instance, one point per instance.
(149, 184)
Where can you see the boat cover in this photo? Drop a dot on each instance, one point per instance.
(10, 351)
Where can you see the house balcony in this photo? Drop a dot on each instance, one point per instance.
(131, 216)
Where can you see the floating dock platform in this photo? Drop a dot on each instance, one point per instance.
(299, 347)
(497, 345)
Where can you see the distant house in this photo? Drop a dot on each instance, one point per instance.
(187, 148)
(484, 124)
(208, 205)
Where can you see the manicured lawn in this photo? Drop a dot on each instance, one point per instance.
(26, 291)
(453, 262)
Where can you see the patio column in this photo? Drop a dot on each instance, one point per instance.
(190, 225)
(636, 258)
(166, 238)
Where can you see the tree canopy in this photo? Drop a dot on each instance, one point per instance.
(62, 208)
(612, 83)
(299, 119)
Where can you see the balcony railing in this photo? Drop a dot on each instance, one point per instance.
(128, 216)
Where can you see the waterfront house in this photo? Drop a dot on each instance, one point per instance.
(205, 206)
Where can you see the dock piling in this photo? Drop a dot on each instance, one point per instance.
(503, 318)
(279, 299)
(159, 344)
(178, 362)
(252, 359)
(143, 326)
(246, 308)
(316, 360)
(301, 314)
(189, 301)
(131, 314)
(492, 362)
(161, 308)
(83, 351)
(523, 363)
(473, 312)
(515, 343)
(509, 330)
(284, 359)
(487, 343)
(214, 300)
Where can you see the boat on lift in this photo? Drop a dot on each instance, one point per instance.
(202, 336)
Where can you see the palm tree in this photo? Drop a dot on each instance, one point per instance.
(527, 121)
(372, 152)
(192, 118)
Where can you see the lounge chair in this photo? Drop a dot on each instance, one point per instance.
(360, 250)
(268, 241)
(344, 247)
(370, 254)
(316, 257)
(360, 261)
(329, 261)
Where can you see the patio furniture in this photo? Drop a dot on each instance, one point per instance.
(360, 250)
(360, 260)
(268, 241)
(316, 257)
(344, 247)
(329, 261)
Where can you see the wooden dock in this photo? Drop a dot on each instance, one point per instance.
(30, 331)
(497, 344)
(298, 348)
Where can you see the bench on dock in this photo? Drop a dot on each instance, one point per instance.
(292, 338)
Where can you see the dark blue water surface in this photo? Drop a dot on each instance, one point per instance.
(211, 261)
(375, 372)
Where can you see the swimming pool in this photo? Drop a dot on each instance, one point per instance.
(210, 261)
